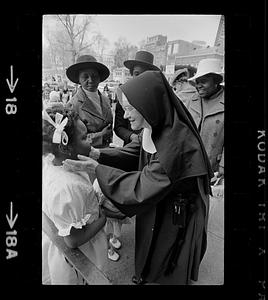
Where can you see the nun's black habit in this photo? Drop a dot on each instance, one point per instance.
(146, 185)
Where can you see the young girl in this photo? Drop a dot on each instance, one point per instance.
(68, 198)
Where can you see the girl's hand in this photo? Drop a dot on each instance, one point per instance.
(134, 137)
(107, 130)
(221, 171)
(109, 205)
(98, 192)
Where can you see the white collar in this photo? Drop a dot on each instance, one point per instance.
(91, 94)
(147, 142)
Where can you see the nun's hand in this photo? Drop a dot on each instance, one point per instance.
(83, 164)
(94, 153)
(113, 214)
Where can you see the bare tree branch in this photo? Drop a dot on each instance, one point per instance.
(69, 38)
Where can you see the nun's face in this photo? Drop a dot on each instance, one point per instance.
(89, 79)
(136, 120)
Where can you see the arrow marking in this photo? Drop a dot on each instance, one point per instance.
(10, 220)
(10, 84)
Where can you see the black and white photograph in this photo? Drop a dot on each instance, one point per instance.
(133, 149)
(123, 163)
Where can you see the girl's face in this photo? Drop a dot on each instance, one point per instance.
(81, 143)
(206, 86)
(136, 120)
(89, 79)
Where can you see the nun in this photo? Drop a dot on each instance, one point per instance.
(163, 179)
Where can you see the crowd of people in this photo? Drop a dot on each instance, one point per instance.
(56, 93)
(59, 93)
(173, 147)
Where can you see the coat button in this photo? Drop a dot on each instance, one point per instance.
(218, 121)
(152, 229)
(215, 133)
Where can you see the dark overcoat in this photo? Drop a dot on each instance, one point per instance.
(211, 127)
(149, 194)
(148, 185)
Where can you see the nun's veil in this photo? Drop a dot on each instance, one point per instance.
(174, 133)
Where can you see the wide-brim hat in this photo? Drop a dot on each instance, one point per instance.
(207, 66)
(143, 58)
(86, 62)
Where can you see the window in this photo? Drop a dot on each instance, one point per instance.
(169, 49)
(176, 48)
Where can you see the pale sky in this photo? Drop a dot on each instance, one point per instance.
(136, 28)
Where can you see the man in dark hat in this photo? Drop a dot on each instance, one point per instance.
(143, 62)
(92, 106)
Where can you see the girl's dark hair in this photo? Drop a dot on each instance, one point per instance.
(49, 129)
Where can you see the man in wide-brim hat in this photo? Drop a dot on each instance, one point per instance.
(143, 59)
(93, 107)
(208, 66)
(142, 62)
(86, 62)
(207, 109)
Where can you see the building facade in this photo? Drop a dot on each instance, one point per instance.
(219, 41)
(108, 60)
(157, 45)
(179, 48)
(194, 57)
(121, 74)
